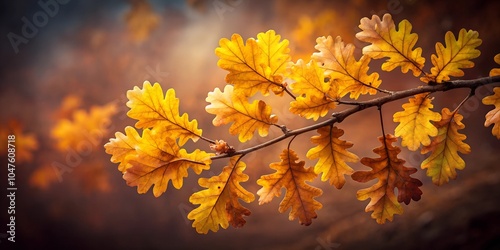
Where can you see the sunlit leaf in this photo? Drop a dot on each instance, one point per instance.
(299, 196)
(346, 73)
(332, 155)
(397, 45)
(258, 65)
(444, 160)
(219, 203)
(311, 107)
(229, 106)
(122, 146)
(151, 109)
(450, 60)
(159, 160)
(415, 125)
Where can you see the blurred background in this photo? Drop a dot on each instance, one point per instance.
(66, 67)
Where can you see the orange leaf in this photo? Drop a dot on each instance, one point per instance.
(85, 127)
(299, 195)
(332, 154)
(493, 117)
(24, 143)
(158, 160)
(229, 106)
(496, 71)
(386, 41)
(347, 74)
(391, 174)
(441, 165)
(219, 203)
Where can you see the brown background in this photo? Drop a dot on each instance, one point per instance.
(85, 49)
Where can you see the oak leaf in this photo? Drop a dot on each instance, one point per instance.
(493, 116)
(450, 60)
(84, 127)
(159, 160)
(299, 195)
(441, 165)
(259, 65)
(219, 203)
(151, 109)
(229, 106)
(332, 155)
(391, 174)
(312, 107)
(386, 41)
(496, 71)
(122, 146)
(415, 125)
(310, 80)
(348, 74)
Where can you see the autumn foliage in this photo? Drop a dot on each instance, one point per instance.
(151, 154)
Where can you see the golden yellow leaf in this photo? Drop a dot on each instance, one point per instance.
(84, 127)
(292, 176)
(151, 109)
(441, 165)
(386, 41)
(450, 60)
(496, 71)
(229, 106)
(493, 117)
(415, 125)
(258, 65)
(391, 174)
(309, 80)
(158, 160)
(347, 74)
(332, 155)
(311, 107)
(219, 203)
(122, 146)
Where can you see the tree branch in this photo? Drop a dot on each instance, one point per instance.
(340, 116)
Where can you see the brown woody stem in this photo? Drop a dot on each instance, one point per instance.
(377, 102)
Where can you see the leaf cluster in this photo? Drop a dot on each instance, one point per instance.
(333, 77)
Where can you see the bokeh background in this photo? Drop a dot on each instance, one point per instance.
(87, 54)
